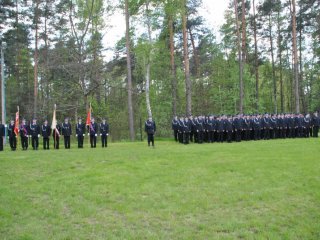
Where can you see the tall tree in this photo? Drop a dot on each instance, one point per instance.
(295, 57)
(129, 74)
(148, 67)
(239, 56)
(256, 64)
(186, 59)
(35, 91)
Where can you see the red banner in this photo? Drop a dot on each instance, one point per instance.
(16, 124)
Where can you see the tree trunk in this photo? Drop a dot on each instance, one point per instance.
(186, 62)
(256, 64)
(148, 63)
(173, 68)
(280, 63)
(239, 56)
(243, 6)
(129, 75)
(273, 68)
(304, 107)
(35, 94)
(295, 58)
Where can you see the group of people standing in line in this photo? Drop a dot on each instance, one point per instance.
(33, 131)
(230, 128)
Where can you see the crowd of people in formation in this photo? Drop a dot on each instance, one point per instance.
(32, 132)
(241, 127)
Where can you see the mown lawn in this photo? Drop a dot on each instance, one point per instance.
(248, 190)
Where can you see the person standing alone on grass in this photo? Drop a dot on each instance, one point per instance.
(150, 129)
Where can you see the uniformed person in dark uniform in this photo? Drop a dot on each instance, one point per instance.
(193, 137)
(273, 127)
(93, 132)
(80, 132)
(175, 127)
(229, 128)
(210, 129)
(266, 127)
(256, 127)
(46, 132)
(220, 128)
(104, 132)
(2, 135)
(150, 129)
(200, 129)
(180, 130)
(12, 136)
(35, 134)
(56, 136)
(306, 126)
(66, 132)
(186, 131)
(237, 128)
(24, 134)
(315, 124)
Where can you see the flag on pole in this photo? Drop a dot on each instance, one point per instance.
(54, 120)
(16, 123)
(88, 121)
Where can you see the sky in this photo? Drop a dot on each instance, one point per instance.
(212, 11)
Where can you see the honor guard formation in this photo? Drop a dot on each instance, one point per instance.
(31, 133)
(244, 127)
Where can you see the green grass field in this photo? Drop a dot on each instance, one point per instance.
(248, 190)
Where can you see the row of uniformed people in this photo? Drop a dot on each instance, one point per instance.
(244, 127)
(33, 131)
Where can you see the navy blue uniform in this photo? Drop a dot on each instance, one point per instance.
(315, 125)
(2, 135)
(66, 132)
(150, 129)
(104, 132)
(46, 132)
(34, 132)
(93, 132)
(12, 137)
(80, 131)
(175, 128)
(24, 134)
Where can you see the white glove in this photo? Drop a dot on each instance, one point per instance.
(76, 135)
(83, 134)
(100, 134)
(88, 134)
(38, 135)
(107, 134)
(96, 134)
